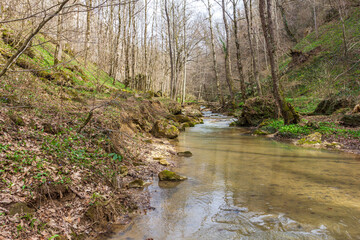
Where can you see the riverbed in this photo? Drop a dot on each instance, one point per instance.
(245, 187)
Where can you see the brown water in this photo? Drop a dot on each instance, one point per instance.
(245, 187)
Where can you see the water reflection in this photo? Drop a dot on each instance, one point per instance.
(243, 187)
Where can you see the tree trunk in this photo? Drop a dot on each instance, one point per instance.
(289, 33)
(267, 26)
(255, 72)
(226, 45)
(238, 54)
(59, 45)
(218, 89)
(185, 57)
(170, 51)
(88, 29)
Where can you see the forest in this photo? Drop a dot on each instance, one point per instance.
(97, 98)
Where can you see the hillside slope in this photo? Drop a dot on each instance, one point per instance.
(74, 147)
(323, 69)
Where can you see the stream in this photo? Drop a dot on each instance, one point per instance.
(246, 187)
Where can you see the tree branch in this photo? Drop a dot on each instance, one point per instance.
(25, 45)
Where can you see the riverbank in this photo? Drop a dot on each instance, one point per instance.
(321, 132)
(71, 174)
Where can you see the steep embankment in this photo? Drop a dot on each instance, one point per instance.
(322, 83)
(74, 147)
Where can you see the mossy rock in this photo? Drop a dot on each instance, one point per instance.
(192, 112)
(138, 183)
(181, 118)
(185, 154)
(314, 138)
(167, 175)
(255, 110)
(21, 209)
(260, 132)
(165, 128)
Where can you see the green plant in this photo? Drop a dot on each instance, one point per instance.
(54, 236)
(116, 157)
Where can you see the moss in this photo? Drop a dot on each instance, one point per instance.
(311, 139)
(165, 128)
(167, 175)
(260, 132)
(138, 183)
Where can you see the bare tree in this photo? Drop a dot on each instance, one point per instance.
(213, 52)
(238, 52)
(27, 41)
(226, 45)
(255, 72)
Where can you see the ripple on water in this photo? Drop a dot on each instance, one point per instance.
(244, 187)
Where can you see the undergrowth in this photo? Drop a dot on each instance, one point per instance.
(302, 129)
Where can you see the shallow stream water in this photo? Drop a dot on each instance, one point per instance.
(246, 187)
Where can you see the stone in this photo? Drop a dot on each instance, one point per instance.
(185, 154)
(167, 175)
(192, 112)
(260, 132)
(20, 208)
(352, 120)
(164, 162)
(311, 139)
(255, 110)
(138, 183)
(164, 128)
(333, 145)
(181, 118)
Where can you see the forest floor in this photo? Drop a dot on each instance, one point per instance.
(61, 183)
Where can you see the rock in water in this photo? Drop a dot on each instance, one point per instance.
(185, 154)
(167, 175)
(255, 110)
